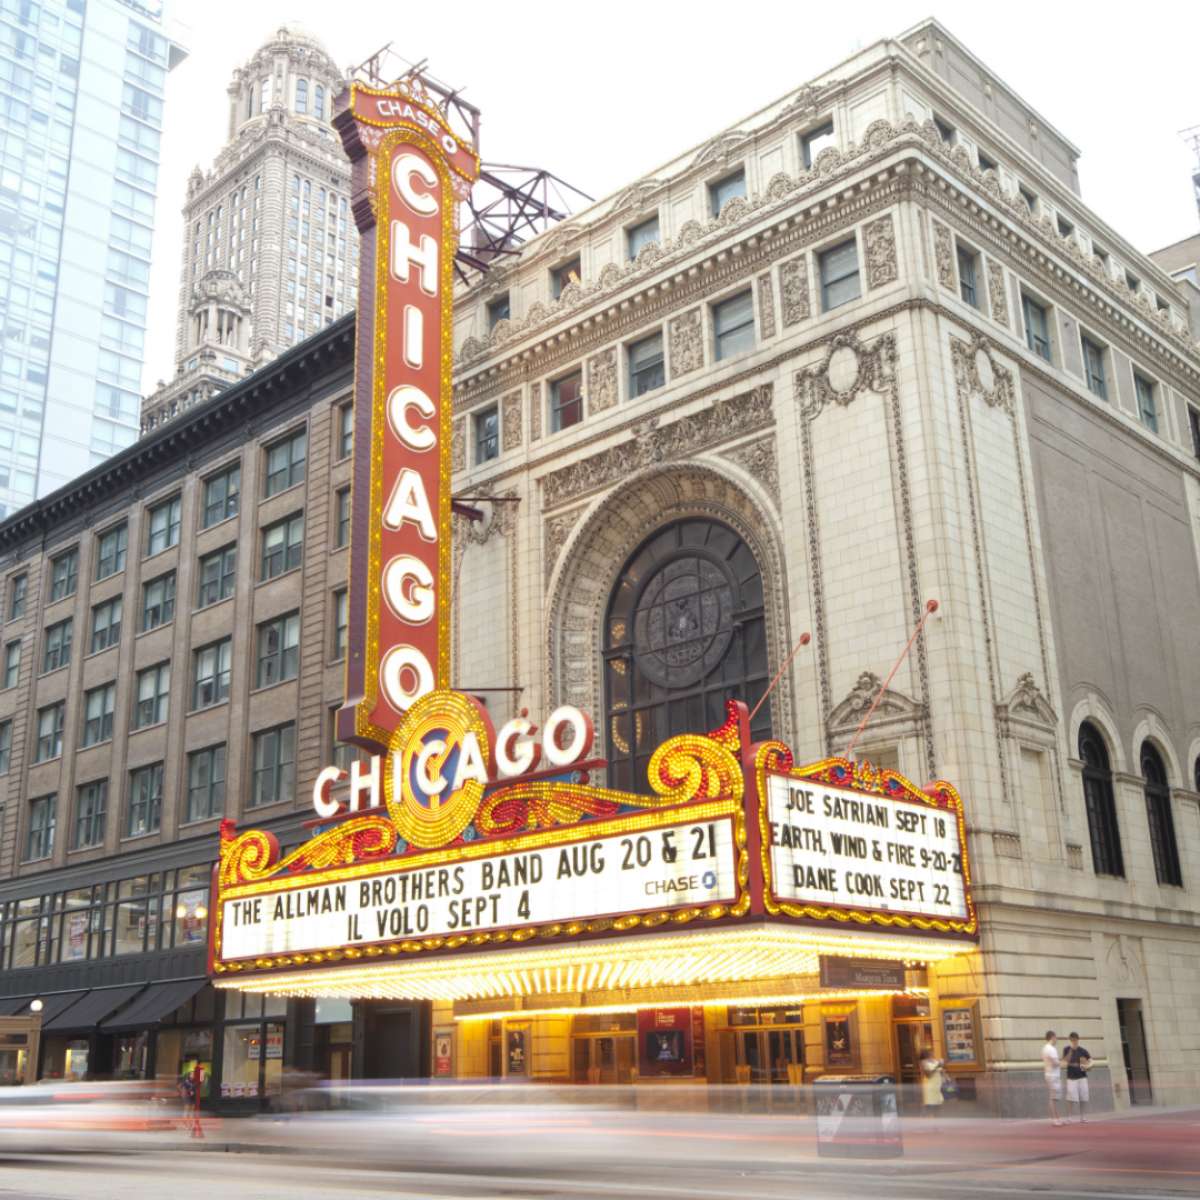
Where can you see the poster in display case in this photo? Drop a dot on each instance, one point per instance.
(960, 1033)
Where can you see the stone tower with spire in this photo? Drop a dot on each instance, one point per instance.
(270, 253)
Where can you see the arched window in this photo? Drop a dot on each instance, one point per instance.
(265, 93)
(1196, 774)
(1099, 802)
(302, 95)
(1158, 813)
(319, 101)
(684, 633)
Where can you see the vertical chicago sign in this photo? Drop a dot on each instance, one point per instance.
(410, 171)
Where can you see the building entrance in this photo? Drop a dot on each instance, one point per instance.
(769, 1055)
(605, 1057)
(1133, 1051)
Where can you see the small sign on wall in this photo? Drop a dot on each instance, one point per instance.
(443, 1053)
(862, 973)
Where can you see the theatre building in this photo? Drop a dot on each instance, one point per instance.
(865, 350)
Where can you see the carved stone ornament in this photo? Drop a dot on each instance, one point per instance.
(720, 148)
(1006, 845)
(997, 295)
(1026, 705)
(766, 307)
(879, 237)
(685, 336)
(943, 253)
(652, 443)
(793, 285)
(535, 411)
(847, 369)
(602, 380)
(980, 373)
(637, 195)
(893, 707)
(758, 460)
(556, 530)
(458, 444)
(510, 421)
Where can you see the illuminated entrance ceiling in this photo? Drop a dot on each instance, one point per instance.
(686, 959)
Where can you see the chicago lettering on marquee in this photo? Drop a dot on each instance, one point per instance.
(409, 173)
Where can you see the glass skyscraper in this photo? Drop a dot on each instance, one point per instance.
(81, 102)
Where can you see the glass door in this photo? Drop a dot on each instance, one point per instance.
(605, 1058)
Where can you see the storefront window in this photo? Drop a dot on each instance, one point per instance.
(130, 1056)
(77, 919)
(240, 1067)
(191, 918)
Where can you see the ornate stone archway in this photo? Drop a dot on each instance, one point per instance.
(596, 549)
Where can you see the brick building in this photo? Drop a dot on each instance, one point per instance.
(867, 347)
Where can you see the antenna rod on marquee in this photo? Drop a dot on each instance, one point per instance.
(805, 638)
(931, 606)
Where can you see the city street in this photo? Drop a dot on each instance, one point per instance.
(759, 1157)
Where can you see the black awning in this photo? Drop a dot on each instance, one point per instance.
(157, 1001)
(92, 1007)
(56, 1003)
(12, 1004)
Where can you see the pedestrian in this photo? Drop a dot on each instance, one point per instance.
(1077, 1060)
(932, 1078)
(1053, 1073)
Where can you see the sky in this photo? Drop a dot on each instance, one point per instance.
(601, 94)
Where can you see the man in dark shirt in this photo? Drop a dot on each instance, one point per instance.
(1077, 1061)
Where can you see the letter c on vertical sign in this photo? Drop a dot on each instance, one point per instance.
(400, 400)
(404, 167)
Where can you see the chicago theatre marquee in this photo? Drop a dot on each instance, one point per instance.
(718, 911)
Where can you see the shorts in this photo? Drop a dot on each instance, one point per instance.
(1054, 1086)
(1077, 1091)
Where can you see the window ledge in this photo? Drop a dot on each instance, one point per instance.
(223, 600)
(152, 725)
(266, 687)
(281, 575)
(218, 524)
(96, 653)
(191, 712)
(154, 628)
(92, 745)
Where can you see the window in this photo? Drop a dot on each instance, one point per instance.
(318, 101)
(158, 601)
(91, 807)
(106, 624)
(274, 763)
(813, 142)
(645, 233)
(647, 367)
(733, 325)
(1132, 282)
(1101, 257)
(968, 270)
(206, 784)
(285, 463)
(487, 434)
(110, 551)
(162, 528)
(497, 310)
(278, 650)
(153, 688)
(12, 664)
(17, 588)
(39, 842)
(210, 673)
(98, 705)
(684, 632)
(1158, 814)
(566, 401)
(1093, 368)
(282, 545)
(302, 95)
(221, 495)
(341, 501)
(724, 190)
(1037, 327)
(145, 800)
(1194, 425)
(64, 575)
(569, 272)
(946, 131)
(341, 622)
(5, 746)
(341, 754)
(1146, 402)
(1099, 802)
(50, 731)
(218, 572)
(345, 430)
(1030, 198)
(986, 163)
(56, 651)
(1065, 228)
(838, 268)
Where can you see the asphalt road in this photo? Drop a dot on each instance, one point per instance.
(754, 1159)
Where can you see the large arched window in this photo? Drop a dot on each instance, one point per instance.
(1101, 806)
(319, 101)
(1158, 814)
(302, 95)
(684, 633)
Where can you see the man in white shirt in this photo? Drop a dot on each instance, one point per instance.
(1050, 1065)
